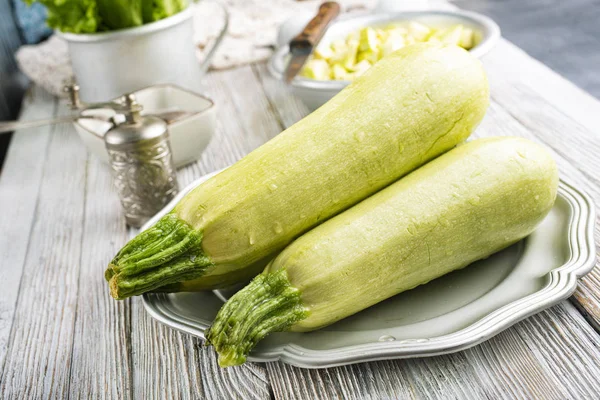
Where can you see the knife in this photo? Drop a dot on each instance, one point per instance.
(302, 45)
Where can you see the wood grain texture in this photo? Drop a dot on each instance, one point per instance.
(287, 108)
(513, 64)
(38, 358)
(169, 364)
(101, 362)
(19, 188)
(553, 355)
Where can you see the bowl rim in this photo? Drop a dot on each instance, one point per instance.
(490, 29)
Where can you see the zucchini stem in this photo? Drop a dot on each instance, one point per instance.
(268, 304)
(168, 252)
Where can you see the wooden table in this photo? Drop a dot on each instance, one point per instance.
(62, 334)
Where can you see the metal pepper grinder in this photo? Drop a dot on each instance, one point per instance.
(142, 164)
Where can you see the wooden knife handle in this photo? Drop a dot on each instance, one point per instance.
(314, 31)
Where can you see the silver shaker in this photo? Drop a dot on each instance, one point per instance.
(142, 163)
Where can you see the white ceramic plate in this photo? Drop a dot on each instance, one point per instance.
(452, 313)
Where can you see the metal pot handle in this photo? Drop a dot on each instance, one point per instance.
(206, 63)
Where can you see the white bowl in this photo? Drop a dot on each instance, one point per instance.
(189, 136)
(108, 64)
(315, 93)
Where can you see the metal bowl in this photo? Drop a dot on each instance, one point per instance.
(315, 93)
(108, 64)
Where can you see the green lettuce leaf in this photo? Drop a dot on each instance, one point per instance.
(165, 8)
(120, 14)
(89, 16)
(76, 16)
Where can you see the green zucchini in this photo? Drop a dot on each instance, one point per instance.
(409, 108)
(464, 206)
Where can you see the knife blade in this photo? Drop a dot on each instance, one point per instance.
(303, 44)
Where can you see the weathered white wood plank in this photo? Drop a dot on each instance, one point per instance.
(587, 296)
(38, 358)
(288, 108)
(499, 122)
(160, 366)
(101, 361)
(244, 382)
(172, 365)
(553, 355)
(245, 121)
(516, 66)
(245, 118)
(19, 187)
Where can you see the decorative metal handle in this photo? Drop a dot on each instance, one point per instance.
(75, 102)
